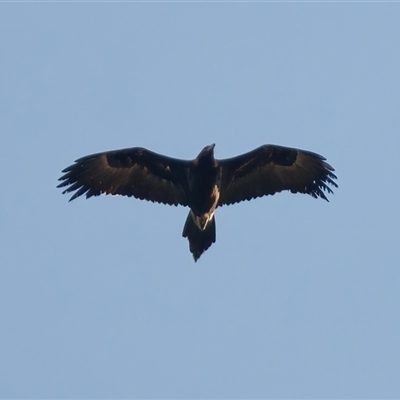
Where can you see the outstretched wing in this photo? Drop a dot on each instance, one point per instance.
(270, 169)
(129, 172)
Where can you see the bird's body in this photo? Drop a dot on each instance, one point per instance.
(202, 184)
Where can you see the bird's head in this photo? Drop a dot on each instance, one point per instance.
(206, 156)
(208, 151)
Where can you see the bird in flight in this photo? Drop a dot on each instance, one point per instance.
(202, 184)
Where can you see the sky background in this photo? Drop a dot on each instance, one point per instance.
(101, 298)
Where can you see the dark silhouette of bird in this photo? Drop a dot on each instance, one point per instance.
(202, 184)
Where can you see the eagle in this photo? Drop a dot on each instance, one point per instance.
(202, 184)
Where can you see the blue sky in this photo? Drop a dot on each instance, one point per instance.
(298, 297)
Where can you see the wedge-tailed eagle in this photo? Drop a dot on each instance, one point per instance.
(202, 184)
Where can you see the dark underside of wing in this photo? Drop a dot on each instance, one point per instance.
(129, 172)
(270, 169)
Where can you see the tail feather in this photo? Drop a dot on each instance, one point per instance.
(199, 240)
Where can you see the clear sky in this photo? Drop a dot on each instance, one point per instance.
(101, 298)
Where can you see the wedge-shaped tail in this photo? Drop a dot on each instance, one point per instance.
(199, 240)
